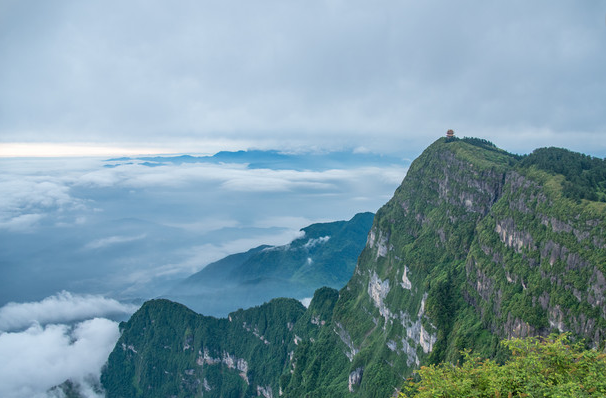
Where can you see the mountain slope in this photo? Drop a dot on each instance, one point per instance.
(325, 255)
(476, 245)
(166, 349)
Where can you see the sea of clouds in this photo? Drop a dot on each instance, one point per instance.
(64, 336)
(81, 240)
(124, 229)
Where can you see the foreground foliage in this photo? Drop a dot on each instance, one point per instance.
(551, 367)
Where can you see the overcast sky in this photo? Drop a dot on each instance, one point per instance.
(387, 76)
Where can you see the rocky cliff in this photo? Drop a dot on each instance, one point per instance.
(476, 245)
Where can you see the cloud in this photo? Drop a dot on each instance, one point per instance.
(291, 222)
(61, 337)
(387, 75)
(306, 301)
(314, 242)
(45, 192)
(236, 177)
(62, 307)
(32, 190)
(139, 176)
(63, 150)
(21, 222)
(184, 215)
(39, 358)
(197, 257)
(112, 240)
(206, 225)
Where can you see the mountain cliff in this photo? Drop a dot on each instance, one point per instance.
(475, 246)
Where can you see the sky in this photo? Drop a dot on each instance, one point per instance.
(118, 77)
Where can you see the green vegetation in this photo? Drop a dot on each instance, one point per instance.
(585, 176)
(168, 350)
(551, 367)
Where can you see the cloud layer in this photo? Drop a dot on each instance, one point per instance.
(64, 336)
(387, 75)
(39, 358)
(33, 198)
(63, 307)
(127, 230)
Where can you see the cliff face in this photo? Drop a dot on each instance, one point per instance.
(475, 246)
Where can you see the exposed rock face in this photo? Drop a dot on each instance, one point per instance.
(346, 339)
(265, 391)
(378, 290)
(518, 328)
(355, 378)
(512, 237)
(406, 284)
(470, 244)
(380, 242)
(550, 248)
(556, 318)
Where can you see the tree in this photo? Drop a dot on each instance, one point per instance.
(538, 367)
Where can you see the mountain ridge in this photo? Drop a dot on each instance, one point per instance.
(267, 159)
(325, 255)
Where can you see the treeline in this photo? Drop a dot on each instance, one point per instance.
(479, 142)
(585, 176)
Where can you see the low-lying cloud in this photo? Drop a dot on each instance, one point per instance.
(198, 257)
(26, 200)
(21, 222)
(63, 196)
(306, 301)
(63, 307)
(112, 240)
(35, 360)
(235, 177)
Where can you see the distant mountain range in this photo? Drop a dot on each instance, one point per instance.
(271, 159)
(477, 245)
(325, 255)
